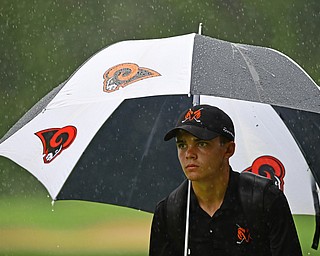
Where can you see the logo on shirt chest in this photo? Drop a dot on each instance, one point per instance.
(243, 235)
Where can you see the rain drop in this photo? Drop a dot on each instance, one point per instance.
(52, 204)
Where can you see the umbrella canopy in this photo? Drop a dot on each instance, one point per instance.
(99, 135)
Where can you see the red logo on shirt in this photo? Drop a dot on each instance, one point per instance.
(243, 235)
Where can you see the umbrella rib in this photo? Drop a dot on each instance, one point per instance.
(253, 72)
(145, 152)
(152, 133)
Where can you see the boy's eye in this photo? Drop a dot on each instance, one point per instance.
(202, 144)
(181, 145)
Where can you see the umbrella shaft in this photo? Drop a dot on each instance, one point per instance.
(196, 100)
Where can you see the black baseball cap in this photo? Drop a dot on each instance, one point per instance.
(205, 122)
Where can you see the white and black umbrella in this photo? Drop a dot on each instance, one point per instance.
(99, 135)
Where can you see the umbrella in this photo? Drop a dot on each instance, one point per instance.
(99, 135)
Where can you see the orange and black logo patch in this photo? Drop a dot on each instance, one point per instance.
(269, 167)
(124, 74)
(243, 235)
(193, 115)
(55, 140)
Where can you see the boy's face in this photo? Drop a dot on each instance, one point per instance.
(201, 160)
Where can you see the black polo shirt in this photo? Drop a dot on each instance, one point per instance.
(227, 232)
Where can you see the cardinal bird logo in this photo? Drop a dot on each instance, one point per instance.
(124, 74)
(55, 140)
(269, 167)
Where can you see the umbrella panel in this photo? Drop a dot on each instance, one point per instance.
(304, 127)
(251, 73)
(127, 163)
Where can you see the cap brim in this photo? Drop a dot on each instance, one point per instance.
(199, 132)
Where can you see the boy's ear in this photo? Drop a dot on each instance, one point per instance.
(230, 149)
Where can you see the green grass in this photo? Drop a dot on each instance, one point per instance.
(306, 227)
(39, 212)
(32, 226)
(73, 227)
(13, 253)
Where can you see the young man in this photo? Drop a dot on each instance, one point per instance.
(218, 222)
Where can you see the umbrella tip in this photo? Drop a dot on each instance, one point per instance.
(200, 29)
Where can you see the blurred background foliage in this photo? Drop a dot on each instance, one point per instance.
(44, 41)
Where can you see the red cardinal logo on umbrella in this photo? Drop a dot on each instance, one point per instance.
(55, 140)
(124, 74)
(269, 167)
